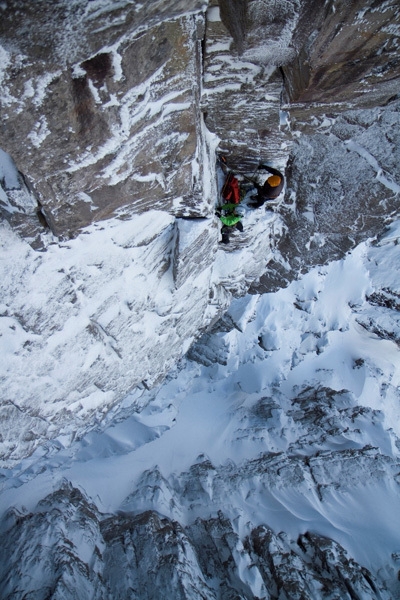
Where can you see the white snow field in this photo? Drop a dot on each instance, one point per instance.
(256, 399)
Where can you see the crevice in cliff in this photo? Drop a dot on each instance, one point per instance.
(234, 17)
(19, 204)
(42, 217)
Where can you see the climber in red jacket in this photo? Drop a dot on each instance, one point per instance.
(231, 191)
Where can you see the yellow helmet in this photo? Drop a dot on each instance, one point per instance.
(274, 180)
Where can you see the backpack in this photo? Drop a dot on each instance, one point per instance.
(231, 191)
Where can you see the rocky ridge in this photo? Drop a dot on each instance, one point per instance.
(148, 555)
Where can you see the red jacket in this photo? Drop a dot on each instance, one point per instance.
(231, 191)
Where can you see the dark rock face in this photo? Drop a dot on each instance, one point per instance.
(345, 53)
(99, 121)
(89, 114)
(341, 92)
(66, 32)
(313, 567)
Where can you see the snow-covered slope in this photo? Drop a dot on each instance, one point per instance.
(284, 420)
(88, 320)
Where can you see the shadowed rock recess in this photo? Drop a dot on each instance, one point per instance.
(113, 114)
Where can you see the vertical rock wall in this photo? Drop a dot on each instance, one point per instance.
(104, 117)
(243, 82)
(345, 53)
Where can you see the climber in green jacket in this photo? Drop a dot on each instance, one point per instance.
(229, 218)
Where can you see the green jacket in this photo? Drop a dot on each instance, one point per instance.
(231, 218)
